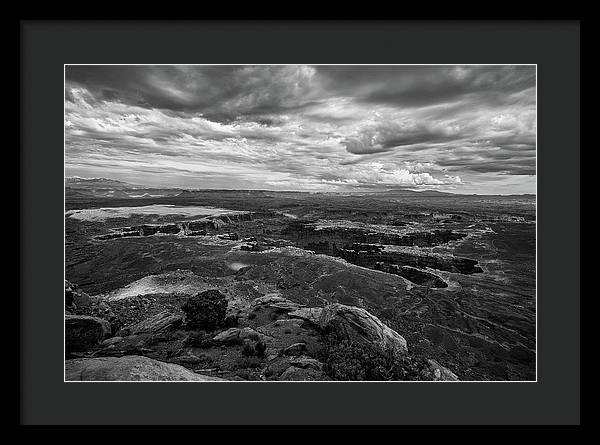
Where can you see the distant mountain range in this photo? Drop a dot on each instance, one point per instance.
(111, 188)
(77, 182)
(433, 193)
(76, 187)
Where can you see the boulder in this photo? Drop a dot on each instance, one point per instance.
(440, 372)
(310, 314)
(75, 298)
(129, 368)
(295, 349)
(157, 323)
(189, 359)
(295, 374)
(229, 236)
(231, 335)
(277, 302)
(236, 335)
(251, 247)
(83, 332)
(111, 341)
(353, 323)
(68, 293)
(78, 302)
(205, 310)
(282, 328)
(305, 362)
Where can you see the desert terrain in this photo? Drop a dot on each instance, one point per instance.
(393, 285)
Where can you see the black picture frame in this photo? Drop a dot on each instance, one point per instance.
(47, 45)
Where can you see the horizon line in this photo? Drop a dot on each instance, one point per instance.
(304, 190)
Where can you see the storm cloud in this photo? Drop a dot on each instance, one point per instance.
(464, 129)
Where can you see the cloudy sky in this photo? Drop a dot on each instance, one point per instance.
(462, 129)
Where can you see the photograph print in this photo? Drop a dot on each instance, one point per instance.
(273, 223)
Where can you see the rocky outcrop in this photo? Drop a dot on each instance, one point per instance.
(118, 234)
(199, 227)
(236, 335)
(252, 247)
(129, 368)
(295, 349)
(111, 341)
(306, 362)
(441, 373)
(272, 338)
(296, 374)
(366, 248)
(155, 324)
(277, 302)
(78, 302)
(83, 332)
(229, 236)
(370, 255)
(183, 282)
(453, 264)
(75, 298)
(296, 368)
(231, 335)
(412, 274)
(307, 233)
(353, 323)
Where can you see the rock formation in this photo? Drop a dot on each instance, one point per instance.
(157, 323)
(439, 372)
(412, 274)
(199, 227)
(305, 233)
(83, 332)
(129, 368)
(353, 323)
(272, 337)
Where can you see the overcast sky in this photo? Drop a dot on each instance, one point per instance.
(463, 129)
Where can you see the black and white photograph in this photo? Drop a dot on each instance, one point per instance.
(305, 223)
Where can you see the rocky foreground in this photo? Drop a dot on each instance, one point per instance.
(210, 336)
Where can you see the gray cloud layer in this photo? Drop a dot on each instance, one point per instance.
(466, 129)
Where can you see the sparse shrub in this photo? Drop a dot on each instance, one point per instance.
(206, 359)
(236, 341)
(346, 360)
(274, 315)
(200, 360)
(260, 348)
(257, 349)
(248, 362)
(230, 322)
(243, 373)
(68, 297)
(199, 339)
(156, 339)
(253, 336)
(205, 310)
(248, 350)
(179, 334)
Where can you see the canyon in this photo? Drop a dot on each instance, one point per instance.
(454, 277)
